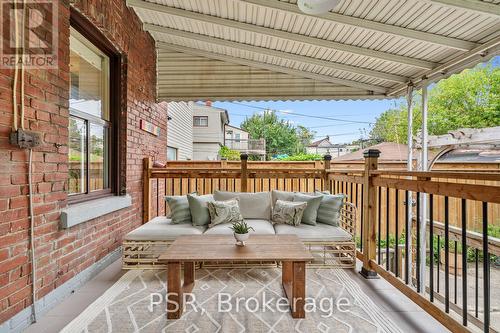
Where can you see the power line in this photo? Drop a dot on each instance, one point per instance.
(304, 115)
(334, 135)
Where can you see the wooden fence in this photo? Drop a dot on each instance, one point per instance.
(204, 177)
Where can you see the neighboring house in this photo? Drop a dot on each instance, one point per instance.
(198, 131)
(180, 131)
(238, 139)
(324, 146)
(389, 152)
(208, 125)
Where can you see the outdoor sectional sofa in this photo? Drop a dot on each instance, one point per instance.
(331, 246)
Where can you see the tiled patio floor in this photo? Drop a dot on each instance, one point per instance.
(408, 316)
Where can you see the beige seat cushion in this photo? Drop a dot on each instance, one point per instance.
(261, 227)
(252, 205)
(161, 228)
(316, 233)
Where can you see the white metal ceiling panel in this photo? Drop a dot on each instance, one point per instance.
(361, 48)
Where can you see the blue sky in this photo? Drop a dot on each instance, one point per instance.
(364, 112)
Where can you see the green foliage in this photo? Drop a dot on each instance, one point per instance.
(305, 137)
(241, 227)
(470, 99)
(229, 154)
(392, 241)
(281, 136)
(301, 157)
(493, 231)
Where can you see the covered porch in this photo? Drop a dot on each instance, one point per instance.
(423, 257)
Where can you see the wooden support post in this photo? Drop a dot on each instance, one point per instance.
(368, 222)
(146, 189)
(244, 172)
(326, 181)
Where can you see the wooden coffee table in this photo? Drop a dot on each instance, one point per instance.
(188, 250)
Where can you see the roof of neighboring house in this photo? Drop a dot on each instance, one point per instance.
(324, 143)
(239, 129)
(389, 151)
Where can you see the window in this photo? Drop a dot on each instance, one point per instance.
(200, 121)
(237, 137)
(94, 101)
(171, 154)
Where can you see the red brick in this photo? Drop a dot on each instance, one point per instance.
(9, 191)
(18, 202)
(44, 187)
(64, 253)
(19, 156)
(7, 265)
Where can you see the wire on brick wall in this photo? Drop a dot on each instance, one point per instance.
(32, 237)
(16, 74)
(23, 41)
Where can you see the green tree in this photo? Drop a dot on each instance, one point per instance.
(305, 136)
(469, 99)
(281, 136)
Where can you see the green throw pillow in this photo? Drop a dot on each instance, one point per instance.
(199, 209)
(288, 212)
(179, 208)
(311, 211)
(224, 212)
(329, 209)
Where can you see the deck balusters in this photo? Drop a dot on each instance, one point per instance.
(486, 269)
(407, 237)
(418, 242)
(387, 230)
(379, 221)
(464, 262)
(446, 256)
(396, 242)
(431, 247)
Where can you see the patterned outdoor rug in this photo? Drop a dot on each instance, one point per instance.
(234, 300)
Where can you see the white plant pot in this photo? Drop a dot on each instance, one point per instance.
(241, 238)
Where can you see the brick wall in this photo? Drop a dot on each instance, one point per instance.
(61, 254)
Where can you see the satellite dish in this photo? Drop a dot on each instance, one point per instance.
(317, 7)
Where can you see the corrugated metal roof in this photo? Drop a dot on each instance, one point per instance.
(361, 49)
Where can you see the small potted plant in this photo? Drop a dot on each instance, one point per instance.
(241, 232)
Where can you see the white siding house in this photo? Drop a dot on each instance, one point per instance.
(324, 147)
(208, 125)
(180, 131)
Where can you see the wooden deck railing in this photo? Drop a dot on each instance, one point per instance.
(462, 206)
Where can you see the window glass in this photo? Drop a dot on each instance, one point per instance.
(89, 72)
(77, 155)
(200, 121)
(89, 117)
(171, 153)
(98, 158)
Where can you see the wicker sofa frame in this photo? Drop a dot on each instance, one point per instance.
(327, 254)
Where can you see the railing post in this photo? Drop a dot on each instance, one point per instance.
(244, 172)
(326, 182)
(369, 214)
(146, 191)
